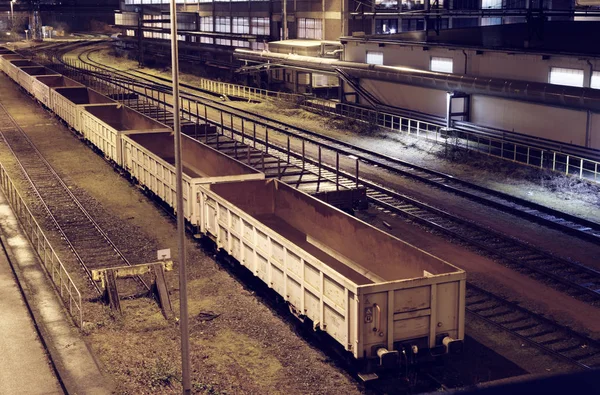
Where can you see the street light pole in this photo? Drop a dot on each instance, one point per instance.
(183, 307)
(12, 13)
(26, 35)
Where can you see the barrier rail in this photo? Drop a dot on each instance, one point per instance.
(556, 161)
(245, 92)
(52, 263)
(530, 155)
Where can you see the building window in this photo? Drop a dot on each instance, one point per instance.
(442, 65)
(569, 77)
(240, 44)
(258, 46)
(310, 28)
(223, 41)
(206, 24)
(595, 83)
(386, 26)
(409, 25)
(260, 26)
(240, 25)
(374, 57)
(491, 21)
(223, 24)
(207, 40)
(130, 33)
(383, 4)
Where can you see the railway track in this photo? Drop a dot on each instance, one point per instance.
(92, 247)
(566, 223)
(530, 327)
(534, 329)
(575, 279)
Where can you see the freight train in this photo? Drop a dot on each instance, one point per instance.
(383, 300)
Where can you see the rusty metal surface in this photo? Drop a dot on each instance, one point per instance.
(123, 118)
(83, 95)
(199, 160)
(330, 230)
(56, 81)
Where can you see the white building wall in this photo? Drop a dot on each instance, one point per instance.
(594, 137)
(430, 101)
(554, 123)
(517, 66)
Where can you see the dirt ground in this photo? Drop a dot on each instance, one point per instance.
(567, 194)
(246, 348)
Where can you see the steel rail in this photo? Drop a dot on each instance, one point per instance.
(64, 188)
(567, 223)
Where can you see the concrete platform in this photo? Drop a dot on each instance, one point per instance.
(25, 363)
(26, 367)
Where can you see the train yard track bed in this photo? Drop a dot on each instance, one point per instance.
(246, 349)
(240, 345)
(562, 193)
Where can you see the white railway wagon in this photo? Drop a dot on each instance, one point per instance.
(42, 86)
(373, 293)
(26, 76)
(104, 124)
(14, 66)
(69, 103)
(6, 59)
(149, 158)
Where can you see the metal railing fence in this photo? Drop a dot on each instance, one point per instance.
(52, 263)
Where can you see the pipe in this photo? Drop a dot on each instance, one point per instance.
(334, 52)
(466, 61)
(535, 92)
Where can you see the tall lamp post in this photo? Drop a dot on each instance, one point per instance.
(183, 307)
(12, 12)
(26, 35)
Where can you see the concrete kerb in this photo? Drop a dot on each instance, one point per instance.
(76, 366)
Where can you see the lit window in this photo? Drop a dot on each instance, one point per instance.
(240, 25)
(223, 24)
(491, 21)
(569, 77)
(386, 3)
(240, 44)
(386, 26)
(595, 80)
(207, 40)
(491, 4)
(258, 46)
(223, 41)
(442, 65)
(310, 28)
(374, 57)
(259, 26)
(206, 24)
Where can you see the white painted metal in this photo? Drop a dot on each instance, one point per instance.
(41, 89)
(69, 111)
(158, 175)
(106, 137)
(399, 309)
(5, 61)
(27, 80)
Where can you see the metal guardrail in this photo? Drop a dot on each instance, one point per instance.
(52, 263)
(556, 161)
(245, 92)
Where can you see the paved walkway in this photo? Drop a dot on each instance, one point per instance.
(25, 366)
